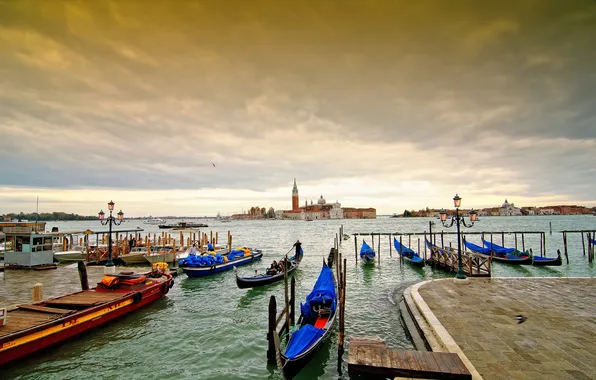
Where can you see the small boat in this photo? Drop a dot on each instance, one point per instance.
(536, 260)
(182, 225)
(208, 264)
(268, 277)
(408, 254)
(504, 258)
(317, 317)
(76, 254)
(346, 237)
(367, 254)
(160, 254)
(32, 327)
(135, 256)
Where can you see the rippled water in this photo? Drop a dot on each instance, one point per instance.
(208, 328)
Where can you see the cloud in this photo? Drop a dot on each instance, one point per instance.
(494, 100)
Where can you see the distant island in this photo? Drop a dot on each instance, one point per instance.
(506, 209)
(45, 217)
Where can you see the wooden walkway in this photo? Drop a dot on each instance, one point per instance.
(473, 264)
(368, 356)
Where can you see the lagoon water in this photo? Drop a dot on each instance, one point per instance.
(207, 328)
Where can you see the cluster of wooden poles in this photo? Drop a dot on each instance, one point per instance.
(587, 243)
(156, 239)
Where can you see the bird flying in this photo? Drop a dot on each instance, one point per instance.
(213, 164)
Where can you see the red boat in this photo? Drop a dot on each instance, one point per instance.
(32, 327)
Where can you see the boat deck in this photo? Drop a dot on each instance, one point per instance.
(31, 315)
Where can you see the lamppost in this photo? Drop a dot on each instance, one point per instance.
(110, 220)
(457, 219)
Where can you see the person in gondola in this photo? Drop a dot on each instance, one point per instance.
(272, 270)
(298, 246)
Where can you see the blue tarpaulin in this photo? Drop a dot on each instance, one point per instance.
(323, 293)
(366, 250)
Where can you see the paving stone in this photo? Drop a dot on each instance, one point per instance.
(555, 342)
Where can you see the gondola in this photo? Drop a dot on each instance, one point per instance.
(367, 254)
(266, 279)
(200, 266)
(317, 317)
(503, 258)
(407, 253)
(537, 260)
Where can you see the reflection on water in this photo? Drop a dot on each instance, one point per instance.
(207, 328)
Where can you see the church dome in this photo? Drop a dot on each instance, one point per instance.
(321, 200)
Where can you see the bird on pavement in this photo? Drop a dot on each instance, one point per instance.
(520, 319)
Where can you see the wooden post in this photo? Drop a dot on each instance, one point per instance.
(287, 297)
(37, 292)
(216, 237)
(502, 238)
(379, 249)
(515, 236)
(425, 245)
(390, 246)
(401, 250)
(270, 329)
(565, 242)
(523, 243)
(372, 238)
(584, 244)
(293, 301)
(442, 242)
(83, 275)
(544, 242)
(356, 248)
(541, 248)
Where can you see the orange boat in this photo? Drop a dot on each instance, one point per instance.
(33, 327)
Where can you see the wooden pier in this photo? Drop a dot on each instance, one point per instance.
(473, 264)
(368, 356)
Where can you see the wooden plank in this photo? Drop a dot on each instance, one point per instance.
(45, 309)
(431, 362)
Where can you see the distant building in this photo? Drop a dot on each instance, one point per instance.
(509, 209)
(322, 210)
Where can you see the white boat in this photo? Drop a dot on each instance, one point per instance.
(160, 254)
(136, 256)
(154, 221)
(75, 254)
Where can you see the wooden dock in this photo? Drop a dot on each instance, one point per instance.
(367, 356)
(473, 264)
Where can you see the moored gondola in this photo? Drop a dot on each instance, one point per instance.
(536, 260)
(317, 317)
(503, 258)
(367, 254)
(407, 253)
(268, 277)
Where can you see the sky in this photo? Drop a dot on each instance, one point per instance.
(198, 107)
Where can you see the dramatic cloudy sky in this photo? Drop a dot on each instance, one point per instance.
(387, 104)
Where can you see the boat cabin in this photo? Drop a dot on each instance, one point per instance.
(28, 248)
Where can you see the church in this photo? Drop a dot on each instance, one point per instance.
(509, 209)
(323, 210)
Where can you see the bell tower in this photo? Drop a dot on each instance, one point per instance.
(295, 197)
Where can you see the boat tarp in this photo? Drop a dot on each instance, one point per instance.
(477, 248)
(302, 339)
(366, 250)
(504, 251)
(323, 293)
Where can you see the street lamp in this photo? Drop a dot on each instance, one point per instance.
(110, 220)
(458, 219)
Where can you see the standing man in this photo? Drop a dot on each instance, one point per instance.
(298, 254)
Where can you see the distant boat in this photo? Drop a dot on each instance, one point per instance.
(154, 221)
(183, 225)
(367, 254)
(317, 317)
(408, 253)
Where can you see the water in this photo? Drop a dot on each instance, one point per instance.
(208, 328)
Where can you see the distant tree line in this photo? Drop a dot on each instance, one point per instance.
(47, 217)
(254, 211)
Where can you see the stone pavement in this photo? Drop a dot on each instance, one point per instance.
(557, 341)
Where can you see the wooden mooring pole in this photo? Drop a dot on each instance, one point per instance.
(271, 328)
(83, 275)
